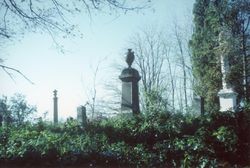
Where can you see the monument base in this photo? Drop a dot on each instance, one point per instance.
(227, 100)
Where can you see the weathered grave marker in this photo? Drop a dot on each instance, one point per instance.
(81, 115)
(198, 104)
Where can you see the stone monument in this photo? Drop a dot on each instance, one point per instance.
(81, 115)
(198, 104)
(2, 112)
(55, 107)
(130, 94)
(226, 95)
(1, 120)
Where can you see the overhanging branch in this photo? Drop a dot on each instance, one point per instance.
(6, 68)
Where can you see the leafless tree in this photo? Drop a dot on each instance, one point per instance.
(149, 48)
(92, 92)
(181, 36)
(178, 38)
(164, 63)
(171, 74)
(94, 103)
(114, 92)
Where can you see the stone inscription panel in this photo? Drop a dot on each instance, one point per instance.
(126, 95)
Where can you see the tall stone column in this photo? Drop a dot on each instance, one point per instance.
(55, 107)
(130, 90)
(226, 95)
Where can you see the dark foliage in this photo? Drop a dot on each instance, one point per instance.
(161, 140)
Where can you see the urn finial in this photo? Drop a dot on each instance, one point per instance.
(130, 57)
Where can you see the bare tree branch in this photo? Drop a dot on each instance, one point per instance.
(6, 68)
(37, 14)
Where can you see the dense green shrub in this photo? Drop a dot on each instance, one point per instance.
(154, 140)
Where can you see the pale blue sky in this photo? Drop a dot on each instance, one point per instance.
(71, 73)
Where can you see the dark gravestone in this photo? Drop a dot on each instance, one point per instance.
(1, 119)
(130, 78)
(81, 115)
(198, 105)
(2, 112)
(202, 105)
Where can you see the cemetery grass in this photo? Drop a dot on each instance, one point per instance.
(157, 139)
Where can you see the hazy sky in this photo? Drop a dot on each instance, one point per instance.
(105, 38)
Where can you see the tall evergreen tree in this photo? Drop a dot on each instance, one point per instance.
(210, 18)
(204, 60)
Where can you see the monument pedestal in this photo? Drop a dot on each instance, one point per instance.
(227, 100)
(130, 91)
